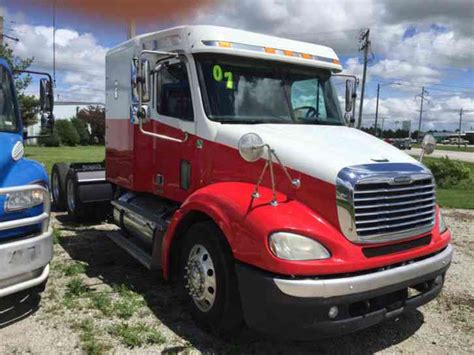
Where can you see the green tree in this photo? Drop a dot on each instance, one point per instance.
(29, 105)
(29, 108)
(67, 133)
(95, 116)
(81, 128)
(48, 138)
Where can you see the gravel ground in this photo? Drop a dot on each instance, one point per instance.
(98, 299)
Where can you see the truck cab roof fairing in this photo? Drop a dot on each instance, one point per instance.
(197, 39)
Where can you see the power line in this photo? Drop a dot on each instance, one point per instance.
(427, 83)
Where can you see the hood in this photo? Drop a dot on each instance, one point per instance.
(318, 151)
(7, 142)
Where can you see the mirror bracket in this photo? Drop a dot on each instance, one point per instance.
(251, 149)
(140, 91)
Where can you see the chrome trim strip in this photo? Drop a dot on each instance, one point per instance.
(395, 225)
(386, 219)
(356, 284)
(395, 211)
(395, 190)
(391, 197)
(395, 203)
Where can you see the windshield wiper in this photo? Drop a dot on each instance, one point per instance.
(319, 123)
(252, 121)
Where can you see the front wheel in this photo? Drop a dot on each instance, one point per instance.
(208, 279)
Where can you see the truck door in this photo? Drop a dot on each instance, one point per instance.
(172, 114)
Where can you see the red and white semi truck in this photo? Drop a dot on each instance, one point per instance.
(231, 169)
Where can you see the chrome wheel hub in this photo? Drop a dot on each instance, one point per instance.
(55, 187)
(71, 201)
(200, 277)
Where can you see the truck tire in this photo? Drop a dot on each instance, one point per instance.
(75, 209)
(208, 279)
(58, 185)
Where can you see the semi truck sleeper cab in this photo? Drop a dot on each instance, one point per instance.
(230, 169)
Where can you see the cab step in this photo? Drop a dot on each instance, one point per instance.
(131, 248)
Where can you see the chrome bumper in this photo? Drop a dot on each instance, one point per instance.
(343, 286)
(24, 262)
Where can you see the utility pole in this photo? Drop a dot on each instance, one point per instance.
(1, 30)
(377, 109)
(131, 29)
(460, 125)
(365, 46)
(54, 43)
(423, 92)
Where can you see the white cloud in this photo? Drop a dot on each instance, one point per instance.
(80, 60)
(402, 70)
(439, 113)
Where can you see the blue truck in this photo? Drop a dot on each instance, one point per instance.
(26, 242)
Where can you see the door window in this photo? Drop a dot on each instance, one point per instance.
(173, 92)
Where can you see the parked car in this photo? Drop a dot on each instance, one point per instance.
(401, 143)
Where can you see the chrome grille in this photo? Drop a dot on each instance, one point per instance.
(381, 208)
(385, 202)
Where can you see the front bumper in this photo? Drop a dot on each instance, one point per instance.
(299, 308)
(24, 261)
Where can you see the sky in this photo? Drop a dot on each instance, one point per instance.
(414, 44)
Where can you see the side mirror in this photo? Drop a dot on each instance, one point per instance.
(25, 135)
(46, 95)
(145, 80)
(349, 95)
(134, 80)
(428, 145)
(251, 147)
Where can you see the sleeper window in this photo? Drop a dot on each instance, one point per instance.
(173, 92)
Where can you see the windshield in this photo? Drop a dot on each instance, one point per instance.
(8, 121)
(242, 90)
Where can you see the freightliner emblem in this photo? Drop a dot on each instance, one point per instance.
(402, 180)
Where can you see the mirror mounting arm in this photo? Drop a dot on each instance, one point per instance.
(296, 183)
(142, 111)
(161, 136)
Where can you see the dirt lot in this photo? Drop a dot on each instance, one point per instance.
(98, 300)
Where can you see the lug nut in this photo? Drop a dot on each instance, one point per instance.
(333, 312)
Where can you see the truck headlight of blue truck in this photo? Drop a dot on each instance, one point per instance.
(21, 200)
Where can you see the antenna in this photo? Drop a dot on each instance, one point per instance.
(54, 43)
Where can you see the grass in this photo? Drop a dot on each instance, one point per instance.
(451, 148)
(73, 269)
(456, 197)
(76, 287)
(102, 302)
(136, 335)
(56, 235)
(88, 336)
(128, 303)
(49, 156)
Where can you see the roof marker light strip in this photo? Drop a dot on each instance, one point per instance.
(269, 50)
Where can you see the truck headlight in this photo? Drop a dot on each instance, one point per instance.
(291, 246)
(442, 225)
(21, 200)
